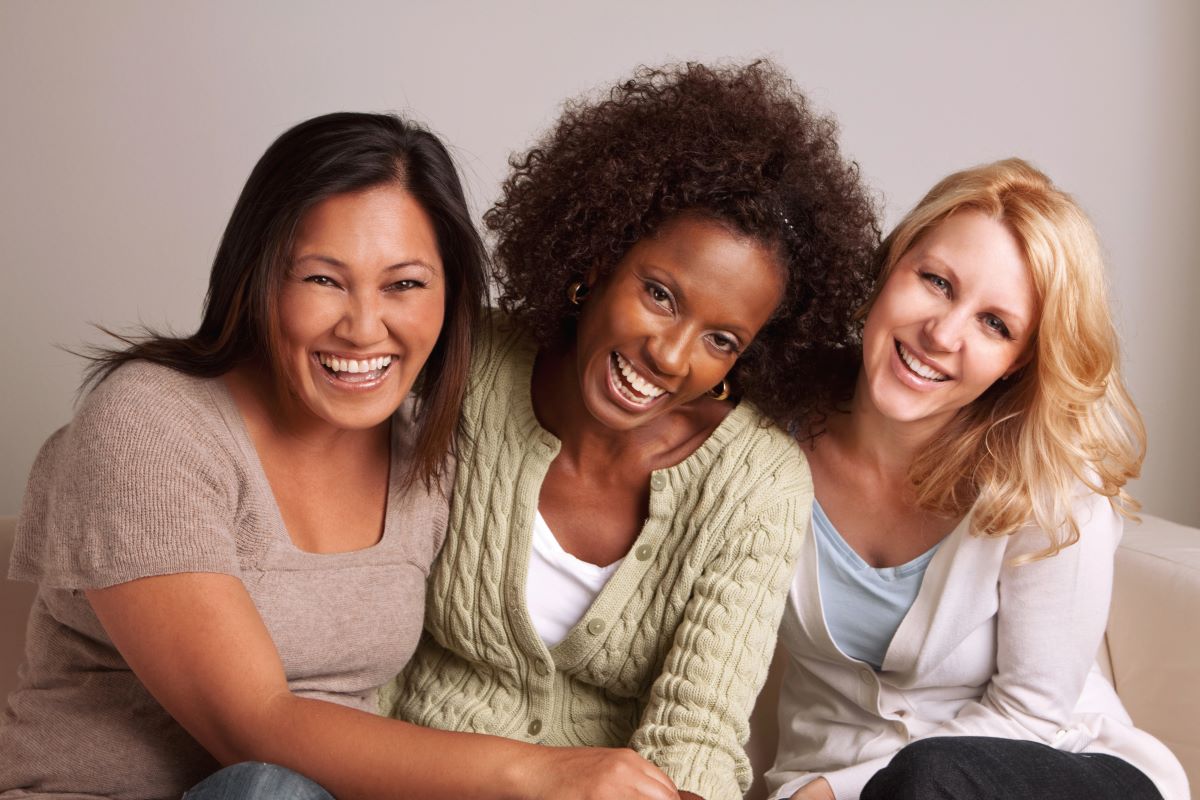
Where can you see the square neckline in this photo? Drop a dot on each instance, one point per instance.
(228, 408)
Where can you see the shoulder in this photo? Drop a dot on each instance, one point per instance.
(141, 388)
(760, 461)
(503, 356)
(133, 486)
(501, 339)
(1099, 526)
(756, 487)
(145, 413)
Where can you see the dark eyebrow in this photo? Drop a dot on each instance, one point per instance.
(333, 262)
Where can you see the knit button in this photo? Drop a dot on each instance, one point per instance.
(541, 668)
(866, 677)
(644, 552)
(596, 627)
(535, 727)
(658, 481)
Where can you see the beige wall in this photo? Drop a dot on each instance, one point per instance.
(126, 130)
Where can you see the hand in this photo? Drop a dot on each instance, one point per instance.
(817, 790)
(595, 773)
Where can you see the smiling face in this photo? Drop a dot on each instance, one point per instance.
(361, 306)
(668, 323)
(957, 313)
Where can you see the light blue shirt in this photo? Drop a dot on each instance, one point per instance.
(863, 605)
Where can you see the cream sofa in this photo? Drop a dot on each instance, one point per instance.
(1151, 650)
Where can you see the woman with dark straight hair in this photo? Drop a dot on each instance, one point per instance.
(330, 155)
(232, 537)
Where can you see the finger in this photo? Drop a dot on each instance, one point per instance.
(656, 790)
(663, 780)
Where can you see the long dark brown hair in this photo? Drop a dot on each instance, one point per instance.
(317, 159)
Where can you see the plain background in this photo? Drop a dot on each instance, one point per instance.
(128, 128)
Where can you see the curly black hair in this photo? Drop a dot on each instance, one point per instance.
(736, 144)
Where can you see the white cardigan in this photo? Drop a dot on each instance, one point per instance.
(987, 649)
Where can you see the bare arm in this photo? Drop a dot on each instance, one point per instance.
(200, 647)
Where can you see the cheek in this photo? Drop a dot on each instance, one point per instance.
(420, 320)
(300, 319)
(873, 333)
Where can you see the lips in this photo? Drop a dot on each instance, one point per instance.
(630, 384)
(917, 366)
(357, 371)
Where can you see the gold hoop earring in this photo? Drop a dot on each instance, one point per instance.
(720, 391)
(577, 292)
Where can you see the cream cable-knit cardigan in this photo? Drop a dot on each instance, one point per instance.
(673, 652)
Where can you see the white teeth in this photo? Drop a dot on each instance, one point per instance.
(352, 365)
(916, 365)
(647, 390)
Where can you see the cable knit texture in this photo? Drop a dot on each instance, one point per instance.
(670, 657)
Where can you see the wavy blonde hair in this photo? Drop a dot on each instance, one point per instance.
(1018, 452)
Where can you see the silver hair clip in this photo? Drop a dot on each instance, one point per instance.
(788, 223)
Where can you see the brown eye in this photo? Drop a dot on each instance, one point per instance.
(723, 343)
(658, 294)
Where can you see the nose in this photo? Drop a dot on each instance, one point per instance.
(944, 331)
(668, 351)
(361, 323)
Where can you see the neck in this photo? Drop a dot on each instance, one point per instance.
(271, 413)
(889, 445)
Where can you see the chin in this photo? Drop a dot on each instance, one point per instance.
(356, 417)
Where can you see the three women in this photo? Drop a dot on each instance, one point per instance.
(680, 263)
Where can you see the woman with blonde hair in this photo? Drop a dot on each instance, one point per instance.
(943, 621)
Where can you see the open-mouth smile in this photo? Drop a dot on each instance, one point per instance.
(917, 366)
(356, 372)
(630, 384)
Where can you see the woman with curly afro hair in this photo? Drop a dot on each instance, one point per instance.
(677, 260)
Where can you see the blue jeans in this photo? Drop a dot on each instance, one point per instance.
(985, 768)
(256, 781)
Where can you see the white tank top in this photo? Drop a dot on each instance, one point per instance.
(559, 588)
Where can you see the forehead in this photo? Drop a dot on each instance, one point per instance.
(984, 257)
(381, 220)
(719, 272)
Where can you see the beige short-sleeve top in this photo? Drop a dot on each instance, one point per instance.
(157, 475)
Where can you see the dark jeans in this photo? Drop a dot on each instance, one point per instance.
(983, 768)
(256, 781)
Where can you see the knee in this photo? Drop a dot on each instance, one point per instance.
(257, 781)
(925, 769)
